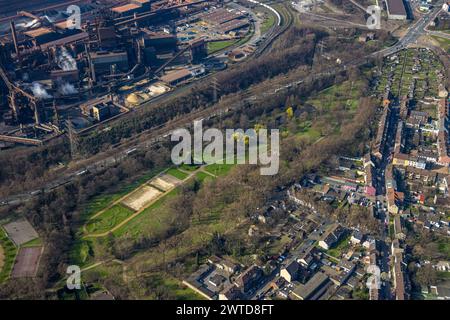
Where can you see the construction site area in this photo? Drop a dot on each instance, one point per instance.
(65, 73)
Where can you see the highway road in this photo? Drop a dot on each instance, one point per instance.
(162, 132)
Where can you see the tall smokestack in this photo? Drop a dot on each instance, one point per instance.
(90, 64)
(14, 36)
(37, 117)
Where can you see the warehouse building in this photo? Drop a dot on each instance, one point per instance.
(175, 77)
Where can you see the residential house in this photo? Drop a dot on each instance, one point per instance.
(333, 237)
(230, 293)
(249, 278)
(357, 237)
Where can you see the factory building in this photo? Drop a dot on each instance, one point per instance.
(107, 37)
(199, 50)
(135, 6)
(175, 77)
(46, 37)
(396, 10)
(225, 21)
(161, 41)
(103, 61)
(65, 75)
(101, 112)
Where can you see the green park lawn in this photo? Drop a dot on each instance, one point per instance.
(177, 173)
(108, 219)
(9, 255)
(219, 169)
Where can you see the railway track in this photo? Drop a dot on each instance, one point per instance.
(276, 31)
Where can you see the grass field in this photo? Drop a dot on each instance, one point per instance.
(33, 243)
(268, 23)
(175, 289)
(344, 94)
(443, 43)
(9, 255)
(305, 129)
(189, 167)
(108, 219)
(202, 176)
(149, 221)
(216, 46)
(177, 173)
(219, 169)
(152, 221)
(101, 201)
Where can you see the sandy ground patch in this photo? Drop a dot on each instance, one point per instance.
(170, 179)
(141, 198)
(162, 184)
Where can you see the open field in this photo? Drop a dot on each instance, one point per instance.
(269, 21)
(131, 205)
(216, 46)
(102, 201)
(345, 94)
(443, 43)
(27, 262)
(305, 130)
(219, 169)
(202, 176)
(33, 243)
(174, 287)
(9, 255)
(149, 221)
(109, 219)
(152, 221)
(177, 173)
(141, 198)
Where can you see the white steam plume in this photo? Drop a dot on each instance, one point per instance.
(67, 89)
(65, 61)
(39, 91)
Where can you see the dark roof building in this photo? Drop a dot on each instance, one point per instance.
(249, 278)
(396, 9)
(313, 289)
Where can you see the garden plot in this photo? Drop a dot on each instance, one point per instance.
(20, 231)
(165, 182)
(141, 197)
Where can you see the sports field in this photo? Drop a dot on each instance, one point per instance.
(27, 262)
(108, 219)
(141, 198)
